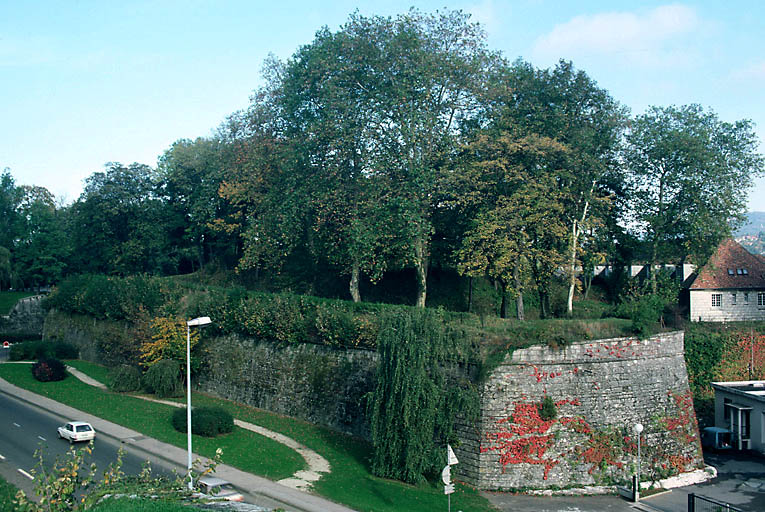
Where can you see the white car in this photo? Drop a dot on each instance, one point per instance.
(77, 431)
(214, 487)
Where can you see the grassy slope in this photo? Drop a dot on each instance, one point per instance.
(142, 505)
(350, 481)
(243, 449)
(9, 299)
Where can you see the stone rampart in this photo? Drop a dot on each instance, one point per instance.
(600, 389)
(25, 319)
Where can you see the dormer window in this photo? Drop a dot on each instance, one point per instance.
(731, 272)
(740, 271)
(746, 272)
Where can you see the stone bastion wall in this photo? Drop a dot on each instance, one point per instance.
(600, 389)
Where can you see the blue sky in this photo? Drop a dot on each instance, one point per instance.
(83, 83)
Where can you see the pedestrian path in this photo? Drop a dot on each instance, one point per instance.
(302, 480)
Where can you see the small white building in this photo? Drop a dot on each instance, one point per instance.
(730, 287)
(740, 407)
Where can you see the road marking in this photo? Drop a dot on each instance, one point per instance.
(41, 438)
(25, 474)
(16, 425)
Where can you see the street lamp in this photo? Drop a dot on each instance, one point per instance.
(196, 322)
(638, 428)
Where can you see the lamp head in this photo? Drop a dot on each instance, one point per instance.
(638, 428)
(199, 322)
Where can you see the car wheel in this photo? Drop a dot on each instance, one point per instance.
(71, 441)
(59, 434)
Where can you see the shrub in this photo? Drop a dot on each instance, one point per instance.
(164, 379)
(205, 421)
(43, 350)
(547, 409)
(49, 370)
(125, 378)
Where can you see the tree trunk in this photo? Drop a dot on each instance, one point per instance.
(575, 231)
(503, 304)
(470, 295)
(519, 310)
(354, 284)
(421, 265)
(652, 264)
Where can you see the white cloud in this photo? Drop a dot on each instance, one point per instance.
(484, 13)
(646, 38)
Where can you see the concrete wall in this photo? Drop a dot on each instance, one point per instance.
(703, 311)
(601, 389)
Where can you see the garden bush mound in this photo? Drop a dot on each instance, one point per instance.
(125, 379)
(49, 370)
(205, 421)
(164, 379)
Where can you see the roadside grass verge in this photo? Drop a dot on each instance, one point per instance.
(9, 299)
(142, 505)
(93, 370)
(7, 493)
(243, 449)
(350, 481)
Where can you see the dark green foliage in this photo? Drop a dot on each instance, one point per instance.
(421, 388)
(547, 409)
(49, 370)
(164, 379)
(125, 379)
(645, 313)
(205, 421)
(42, 350)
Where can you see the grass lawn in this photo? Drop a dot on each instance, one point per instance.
(243, 449)
(7, 493)
(9, 299)
(96, 371)
(142, 505)
(350, 481)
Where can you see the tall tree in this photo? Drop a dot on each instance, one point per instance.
(423, 76)
(566, 105)
(689, 174)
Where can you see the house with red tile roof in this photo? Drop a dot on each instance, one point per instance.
(730, 287)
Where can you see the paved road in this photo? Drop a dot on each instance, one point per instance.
(26, 428)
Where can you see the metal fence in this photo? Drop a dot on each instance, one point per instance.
(697, 503)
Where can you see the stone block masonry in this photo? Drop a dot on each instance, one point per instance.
(600, 389)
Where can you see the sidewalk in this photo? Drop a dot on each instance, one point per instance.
(291, 499)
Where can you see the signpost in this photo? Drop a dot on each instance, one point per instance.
(446, 475)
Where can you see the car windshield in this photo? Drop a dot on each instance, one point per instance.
(83, 428)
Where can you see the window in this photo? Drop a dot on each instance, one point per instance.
(717, 299)
(733, 298)
(745, 271)
(731, 272)
(761, 299)
(746, 297)
(740, 271)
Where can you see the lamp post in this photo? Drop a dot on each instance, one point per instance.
(196, 322)
(638, 428)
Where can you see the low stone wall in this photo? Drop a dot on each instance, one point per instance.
(318, 384)
(25, 319)
(601, 389)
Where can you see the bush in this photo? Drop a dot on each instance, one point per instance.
(547, 409)
(164, 379)
(43, 350)
(125, 378)
(49, 370)
(205, 421)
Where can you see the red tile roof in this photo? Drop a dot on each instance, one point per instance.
(731, 256)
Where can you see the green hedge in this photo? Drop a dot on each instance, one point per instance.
(205, 421)
(29, 350)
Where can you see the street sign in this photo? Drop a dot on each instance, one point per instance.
(446, 475)
(6, 344)
(448, 489)
(451, 459)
